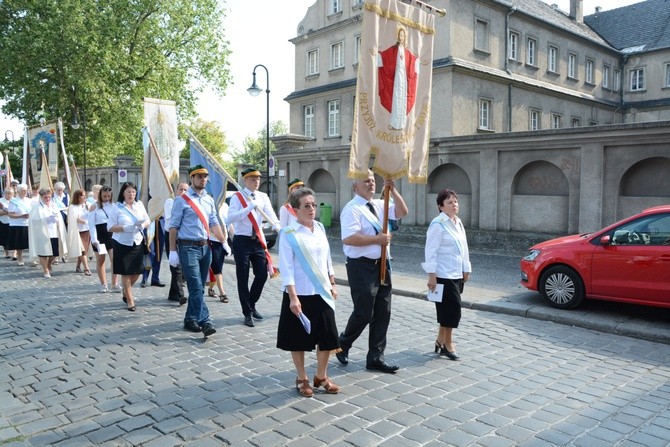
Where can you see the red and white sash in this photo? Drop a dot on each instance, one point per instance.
(272, 271)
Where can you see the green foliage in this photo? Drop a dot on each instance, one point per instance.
(213, 138)
(255, 148)
(97, 59)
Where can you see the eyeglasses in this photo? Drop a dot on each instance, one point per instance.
(106, 188)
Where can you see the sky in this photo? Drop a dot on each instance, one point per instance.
(259, 33)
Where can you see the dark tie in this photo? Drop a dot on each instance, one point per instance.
(374, 213)
(253, 196)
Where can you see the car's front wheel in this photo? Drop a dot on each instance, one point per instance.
(562, 287)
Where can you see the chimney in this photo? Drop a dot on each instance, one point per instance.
(577, 10)
(599, 8)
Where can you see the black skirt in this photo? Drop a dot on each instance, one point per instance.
(18, 238)
(128, 260)
(4, 234)
(104, 236)
(449, 310)
(291, 336)
(218, 256)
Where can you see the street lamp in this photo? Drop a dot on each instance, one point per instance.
(76, 125)
(255, 90)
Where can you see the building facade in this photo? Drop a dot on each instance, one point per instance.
(542, 120)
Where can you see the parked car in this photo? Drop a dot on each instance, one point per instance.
(270, 234)
(628, 261)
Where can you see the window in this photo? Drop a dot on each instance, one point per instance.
(484, 114)
(590, 74)
(357, 2)
(357, 49)
(534, 119)
(312, 62)
(334, 118)
(482, 35)
(552, 64)
(337, 55)
(513, 45)
(667, 75)
(637, 80)
(576, 122)
(531, 52)
(593, 123)
(556, 121)
(617, 80)
(335, 6)
(309, 120)
(572, 65)
(606, 76)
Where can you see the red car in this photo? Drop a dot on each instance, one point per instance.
(628, 261)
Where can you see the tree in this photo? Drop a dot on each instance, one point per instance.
(254, 148)
(210, 134)
(96, 60)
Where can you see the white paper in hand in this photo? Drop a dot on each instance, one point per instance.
(305, 322)
(436, 294)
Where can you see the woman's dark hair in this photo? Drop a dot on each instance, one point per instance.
(103, 189)
(77, 195)
(444, 195)
(294, 198)
(123, 189)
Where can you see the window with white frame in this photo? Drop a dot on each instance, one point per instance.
(531, 52)
(335, 6)
(312, 62)
(572, 65)
(667, 75)
(616, 83)
(357, 2)
(556, 121)
(552, 59)
(606, 76)
(337, 55)
(534, 122)
(334, 118)
(309, 120)
(357, 49)
(576, 122)
(482, 35)
(484, 119)
(637, 80)
(590, 71)
(513, 41)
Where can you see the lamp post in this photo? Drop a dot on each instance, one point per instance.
(254, 90)
(76, 125)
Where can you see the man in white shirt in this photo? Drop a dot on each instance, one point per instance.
(363, 242)
(249, 248)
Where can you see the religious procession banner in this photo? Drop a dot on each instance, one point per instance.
(218, 181)
(43, 138)
(393, 92)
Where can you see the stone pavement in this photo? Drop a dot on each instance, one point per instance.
(77, 369)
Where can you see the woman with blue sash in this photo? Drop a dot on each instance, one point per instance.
(448, 264)
(307, 317)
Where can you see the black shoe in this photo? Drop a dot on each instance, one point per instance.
(143, 284)
(157, 284)
(192, 326)
(208, 329)
(182, 300)
(448, 353)
(343, 357)
(248, 321)
(384, 367)
(256, 315)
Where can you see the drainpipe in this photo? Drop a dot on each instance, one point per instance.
(507, 70)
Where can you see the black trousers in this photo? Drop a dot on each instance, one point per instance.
(176, 278)
(372, 306)
(249, 252)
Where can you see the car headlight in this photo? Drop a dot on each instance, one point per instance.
(531, 255)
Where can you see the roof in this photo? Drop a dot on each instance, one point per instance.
(643, 26)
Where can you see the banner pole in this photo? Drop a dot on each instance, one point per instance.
(385, 229)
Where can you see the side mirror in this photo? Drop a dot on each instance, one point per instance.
(605, 240)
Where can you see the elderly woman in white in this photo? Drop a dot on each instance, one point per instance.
(19, 210)
(46, 234)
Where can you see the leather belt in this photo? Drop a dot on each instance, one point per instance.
(363, 259)
(186, 242)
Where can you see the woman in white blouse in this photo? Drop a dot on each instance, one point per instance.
(447, 263)
(19, 210)
(79, 237)
(101, 238)
(126, 221)
(47, 234)
(309, 291)
(4, 221)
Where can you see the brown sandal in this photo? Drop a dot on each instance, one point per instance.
(303, 387)
(223, 298)
(329, 386)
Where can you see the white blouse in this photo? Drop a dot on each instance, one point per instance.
(446, 253)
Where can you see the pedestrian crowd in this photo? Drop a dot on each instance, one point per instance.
(53, 227)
